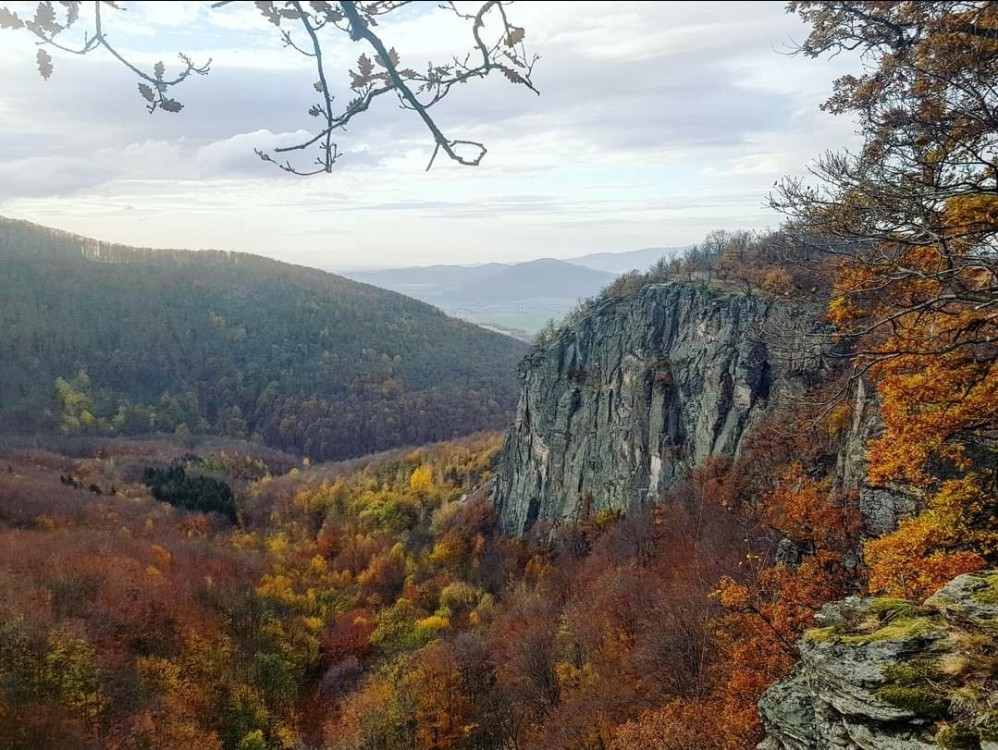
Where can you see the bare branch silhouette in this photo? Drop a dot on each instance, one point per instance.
(496, 45)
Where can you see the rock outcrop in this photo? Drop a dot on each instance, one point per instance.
(624, 402)
(886, 674)
(882, 508)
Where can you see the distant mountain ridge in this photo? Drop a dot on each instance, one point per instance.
(103, 338)
(634, 260)
(440, 276)
(516, 297)
(541, 278)
(425, 282)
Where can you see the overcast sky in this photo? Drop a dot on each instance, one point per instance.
(657, 122)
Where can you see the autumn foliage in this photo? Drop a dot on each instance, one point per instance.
(369, 606)
(912, 223)
(375, 605)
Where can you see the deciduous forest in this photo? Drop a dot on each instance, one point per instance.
(109, 340)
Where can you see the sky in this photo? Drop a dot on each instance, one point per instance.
(655, 124)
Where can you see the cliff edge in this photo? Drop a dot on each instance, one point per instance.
(622, 403)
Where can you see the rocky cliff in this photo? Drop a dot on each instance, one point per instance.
(887, 674)
(624, 402)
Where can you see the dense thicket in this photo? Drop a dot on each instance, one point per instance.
(172, 484)
(101, 338)
(127, 623)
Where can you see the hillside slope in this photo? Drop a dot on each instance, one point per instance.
(234, 344)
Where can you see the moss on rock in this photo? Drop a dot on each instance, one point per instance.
(990, 594)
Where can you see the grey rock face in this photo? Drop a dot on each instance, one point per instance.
(882, 508)
(830, 702)
(971, 598)
(625, 402)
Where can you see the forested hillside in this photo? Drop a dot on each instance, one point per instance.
(100, 338)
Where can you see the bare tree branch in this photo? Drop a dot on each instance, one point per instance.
(302, 27)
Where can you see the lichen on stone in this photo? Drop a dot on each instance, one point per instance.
(902, 628)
